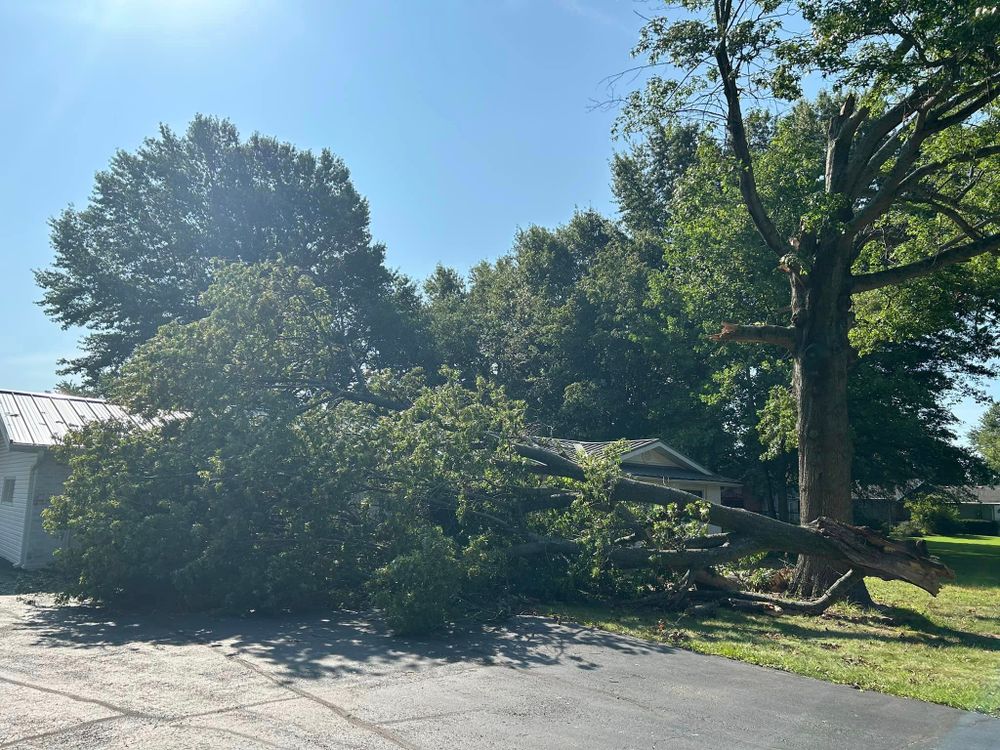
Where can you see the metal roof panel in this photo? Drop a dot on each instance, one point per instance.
(40, 420)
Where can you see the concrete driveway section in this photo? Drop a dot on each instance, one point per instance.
(78, 677)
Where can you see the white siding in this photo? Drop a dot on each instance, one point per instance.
(49, 479)
(16, 465)
(655, 457)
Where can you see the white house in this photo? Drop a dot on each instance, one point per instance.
(652, 460)
(30, 424)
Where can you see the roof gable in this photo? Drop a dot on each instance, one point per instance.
(658, 453)
(642, 451)
(646, 457)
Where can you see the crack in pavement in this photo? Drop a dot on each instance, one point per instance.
(55, 732)
(343, 713)
(80, 698)
(125, 714)
(241, 735)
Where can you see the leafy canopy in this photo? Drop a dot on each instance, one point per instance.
(141, 252)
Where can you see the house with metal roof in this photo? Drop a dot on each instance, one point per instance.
(30, 425)
(652, 460)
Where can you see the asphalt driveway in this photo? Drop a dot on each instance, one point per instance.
(82, 678)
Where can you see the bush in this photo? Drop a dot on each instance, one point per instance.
(981, 526)
(417, 589)
(933, 514)
(905, 530)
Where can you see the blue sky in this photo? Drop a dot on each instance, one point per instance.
(460, 120)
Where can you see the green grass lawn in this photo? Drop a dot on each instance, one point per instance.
(944, 649)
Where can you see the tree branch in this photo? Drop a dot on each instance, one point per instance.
(909, 152)
(638, 557)
(783, 336)
(926, 266)
(741, 147)
(872, 138)
(911, 180)
(837, 591)
(953, 212)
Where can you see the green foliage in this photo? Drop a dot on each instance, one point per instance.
(906, 529)
(778, 423)
(284, 471)
(141, 252)
(986, 436)
(752, 575)
(981, 526)
(933, 513)
(417, 589)
(567, 324)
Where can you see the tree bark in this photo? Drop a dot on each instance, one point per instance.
(821, 309)
(825, 456)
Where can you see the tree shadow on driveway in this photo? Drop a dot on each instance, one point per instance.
(336, 645)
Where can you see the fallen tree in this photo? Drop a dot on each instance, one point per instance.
(284, 487)
(861, 551)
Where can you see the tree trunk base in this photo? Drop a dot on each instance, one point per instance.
(813, 576)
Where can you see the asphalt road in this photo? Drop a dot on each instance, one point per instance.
(82, 678)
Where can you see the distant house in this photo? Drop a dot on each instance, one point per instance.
(652, 460)
(980, 501)
(873, 505)
(30, 424)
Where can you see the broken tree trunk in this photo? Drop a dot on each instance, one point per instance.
(862, 551)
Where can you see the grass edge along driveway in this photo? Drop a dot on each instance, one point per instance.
(944, 649)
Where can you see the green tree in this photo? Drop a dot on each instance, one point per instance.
(986, 436)
(563, 323)
(141, 252)
(900, 187)
(911, 362)
(275, 474)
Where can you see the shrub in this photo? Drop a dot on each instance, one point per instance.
(417, 589)
(981, 526)
(933, 514)
(905, 530)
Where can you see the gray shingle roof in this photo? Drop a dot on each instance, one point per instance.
(40, 420)
(984, 493)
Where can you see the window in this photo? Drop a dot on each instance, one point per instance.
(7, 497)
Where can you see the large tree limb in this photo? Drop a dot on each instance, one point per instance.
(741, 148)
(783, 336)
(837, 591)
(926, 266)
(640, 557)
(863, 550)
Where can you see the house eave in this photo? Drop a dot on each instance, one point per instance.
(26, 447)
